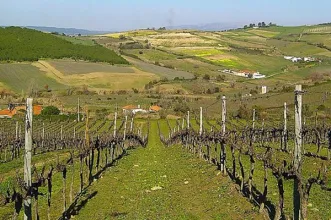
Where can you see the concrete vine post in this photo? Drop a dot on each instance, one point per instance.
(285, 128)
(131, 125)
(16, 136)
(27, 158)
(43, 136)
(223, 154)
(297, 152)
(223, 114)
(253, 125)
(200, 130)
(78, 113)
(124, 132)
(188, 120)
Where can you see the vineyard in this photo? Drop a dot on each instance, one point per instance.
(66, 158)
(292, 161)
(281, 168)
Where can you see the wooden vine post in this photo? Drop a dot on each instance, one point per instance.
(115, 121)
(27, 158)
(297, 152)
(285, 128)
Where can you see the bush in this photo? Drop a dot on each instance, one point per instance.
(135, 90)
(244, 112)
(50, 110)
(206, 77)
(220, 78)
(181, 108)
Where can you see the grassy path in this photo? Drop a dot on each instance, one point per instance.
(164, 183)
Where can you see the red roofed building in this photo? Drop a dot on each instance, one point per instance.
(12, 110)
(6, 113)
(154, 108)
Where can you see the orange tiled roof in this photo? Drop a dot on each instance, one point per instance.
(155, 108)
(129, 107)
(7, 112)
(36, 109)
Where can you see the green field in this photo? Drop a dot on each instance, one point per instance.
(20, 77)
(78, 40)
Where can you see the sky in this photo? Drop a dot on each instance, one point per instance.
(110, 15)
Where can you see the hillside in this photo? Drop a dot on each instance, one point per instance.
(22, 44)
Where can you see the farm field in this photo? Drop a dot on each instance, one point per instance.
(19, 77)
(108, 79)
(72, 68)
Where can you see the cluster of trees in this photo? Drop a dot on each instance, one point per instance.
(50, 110)
(22, 44)
(260, 25)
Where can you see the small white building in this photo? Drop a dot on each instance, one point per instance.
(132, 109)
(309, 59)
(257, 76)
(264, 90)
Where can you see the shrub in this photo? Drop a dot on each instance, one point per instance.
(50, 110)
(206, 77)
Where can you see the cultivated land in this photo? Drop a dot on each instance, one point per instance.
(180, 71)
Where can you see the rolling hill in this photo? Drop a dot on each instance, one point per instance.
(22, 44)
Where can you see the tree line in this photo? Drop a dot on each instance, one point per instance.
(22, 44)
(260, 25)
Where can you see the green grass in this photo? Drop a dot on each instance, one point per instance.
(151, 54)
(296, 48)
(78, 40)
(125, 190)
(201, 52)
(19, 77)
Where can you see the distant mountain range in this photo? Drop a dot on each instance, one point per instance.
(76, 31)
(67, 31)
(208, 27)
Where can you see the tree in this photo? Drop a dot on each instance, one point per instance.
(46, 87)
(50, 110)
(206, 77)
(135, 90)
(259, 24)
(122, 37)
(263, 24)
(245, 27)
(220, 78)
(244, 112)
